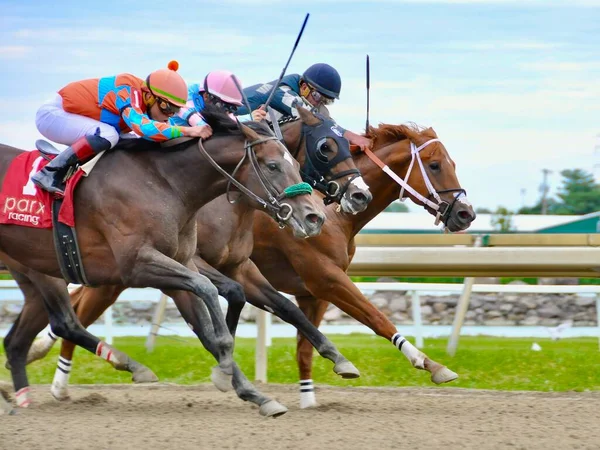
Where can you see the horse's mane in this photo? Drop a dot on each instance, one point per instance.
(221, 123)
(386, 134)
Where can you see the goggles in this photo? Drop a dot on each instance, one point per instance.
(167, 108)
(320, 98)
(228, 107)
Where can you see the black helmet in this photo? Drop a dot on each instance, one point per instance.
(324, 79)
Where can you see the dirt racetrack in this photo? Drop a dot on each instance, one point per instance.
(199, 417)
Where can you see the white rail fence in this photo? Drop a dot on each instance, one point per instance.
(9, 292)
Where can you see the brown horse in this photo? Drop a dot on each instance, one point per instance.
(136, 226)
(225, 243)
(290, 265)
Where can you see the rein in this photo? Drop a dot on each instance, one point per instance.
(442, 208)
(283, 211)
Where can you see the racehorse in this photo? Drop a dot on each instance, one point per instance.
(225, 243)
(136, 226)
(406, 161)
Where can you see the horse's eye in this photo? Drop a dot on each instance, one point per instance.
(272, 166)
(324, 147)
(435, 166)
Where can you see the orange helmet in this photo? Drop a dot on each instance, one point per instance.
(168, 85)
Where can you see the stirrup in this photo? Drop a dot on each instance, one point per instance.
(51, 188)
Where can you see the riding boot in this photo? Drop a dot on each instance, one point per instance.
(50, 178)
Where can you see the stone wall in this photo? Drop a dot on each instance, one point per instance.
(485, 309)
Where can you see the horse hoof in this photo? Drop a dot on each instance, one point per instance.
(346, 369)
(272, 408)
(7, 410)
(307, 403)
(443, 375)
(60, 393)
(5, 404)
(144, 376)
(221, 380)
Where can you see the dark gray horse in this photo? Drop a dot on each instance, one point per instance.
(136, 225)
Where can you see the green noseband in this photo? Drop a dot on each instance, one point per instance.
(297, 189)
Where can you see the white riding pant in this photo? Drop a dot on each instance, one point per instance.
(57, 125)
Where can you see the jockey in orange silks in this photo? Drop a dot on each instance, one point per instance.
(90, 115)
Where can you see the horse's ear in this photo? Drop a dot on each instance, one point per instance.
(250, 134)
(307, 117)
(431, 132)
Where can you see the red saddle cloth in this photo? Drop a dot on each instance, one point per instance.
(23, 203)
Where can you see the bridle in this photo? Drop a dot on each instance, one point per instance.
(282, 211)
(441, 207)
(317, 168)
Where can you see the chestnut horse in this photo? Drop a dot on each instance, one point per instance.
(225, 243)
(289, 265)
(136, 226)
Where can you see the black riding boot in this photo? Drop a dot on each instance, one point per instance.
(50, 178)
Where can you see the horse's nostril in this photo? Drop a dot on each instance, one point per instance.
(359, 197)
(465, 216)
(315, 219)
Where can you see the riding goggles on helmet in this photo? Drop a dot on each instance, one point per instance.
(320, 98)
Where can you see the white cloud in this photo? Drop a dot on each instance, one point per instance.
(228, 40)
(538, 105)
(14, 51)
(20, 134)
(502, 45)
(561, 66)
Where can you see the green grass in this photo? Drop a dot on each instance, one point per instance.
(482, 362)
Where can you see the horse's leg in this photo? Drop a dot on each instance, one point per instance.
(333, 284)
(314, 310)
(261, 294)
(89, 304)
(65, 324)
(43, 345)
(231, 290)
(29, 323)
(36, 317)
(150, 268)
(154, 269)
(196, 315)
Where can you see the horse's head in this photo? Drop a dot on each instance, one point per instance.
(274, 177)
(429, 176)
(326, 163)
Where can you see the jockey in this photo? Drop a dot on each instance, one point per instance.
(90, 115)
(218, 88)
(317, 87)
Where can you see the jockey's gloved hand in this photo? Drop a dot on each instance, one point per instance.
(259, 114)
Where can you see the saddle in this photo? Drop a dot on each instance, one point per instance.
(47, 150)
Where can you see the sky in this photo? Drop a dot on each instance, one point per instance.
(510, 87)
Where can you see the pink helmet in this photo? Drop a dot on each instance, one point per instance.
(220, 84)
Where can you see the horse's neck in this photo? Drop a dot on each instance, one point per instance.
(382, 187)
(191, 176)
(292, 136)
